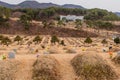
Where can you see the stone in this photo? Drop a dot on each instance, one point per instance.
(11, 55)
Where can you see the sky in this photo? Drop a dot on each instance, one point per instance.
(110, 5)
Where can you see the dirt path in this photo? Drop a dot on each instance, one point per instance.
(66, 68)
(25, 69)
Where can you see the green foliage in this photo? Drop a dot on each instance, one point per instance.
(48, 24)
(88, 40)
(111, 17)
(37, 39)
(18, 39)
(6, 41)
(5, 12)
(78, 24)
(104, 41)
(62, 43)
(99, 24)
(1, 37)
(100, 14)
(117, 40)
(103, 25)
(52, 12)
(54, 39)
(51, 24)
(4, 17)
(25, 20)
(60, 23)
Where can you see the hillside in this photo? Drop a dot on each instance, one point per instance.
(35, 4)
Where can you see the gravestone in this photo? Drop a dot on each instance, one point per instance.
(11, 55)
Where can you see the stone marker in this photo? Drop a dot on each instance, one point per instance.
(11, 55)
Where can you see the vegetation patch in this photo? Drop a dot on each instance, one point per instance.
(46, 68)
(92, 67)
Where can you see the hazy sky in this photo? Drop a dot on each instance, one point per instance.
(111, 5)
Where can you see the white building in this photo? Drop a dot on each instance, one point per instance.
(71, 17)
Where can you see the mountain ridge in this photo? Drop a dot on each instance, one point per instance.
(35, 4)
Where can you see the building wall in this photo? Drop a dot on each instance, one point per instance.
(71, 17)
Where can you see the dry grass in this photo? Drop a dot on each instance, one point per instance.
(71, 51)
(92, 67)
(8, 69)
(116, 59)
(46, 68)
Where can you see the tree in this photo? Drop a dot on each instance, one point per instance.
(48, 24)
(45, 24)
(54, 39)
(37, 39)
(117, 40)
(62, 43)
(88, 40)
(1, 37)
(6, 41)
(18, 39)
(78, 24)
(60, 23)
(26, 21)
(51, 24)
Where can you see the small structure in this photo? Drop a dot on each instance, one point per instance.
(71, 17)
(11, 55)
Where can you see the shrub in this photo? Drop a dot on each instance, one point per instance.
(1, 37)
(62, 43)
(92, 67)
(18, 39)
(88, 40)
(37, 39)
(117, 40)
(54, 39)
(104, 41)
(6, 41)
(46, 68)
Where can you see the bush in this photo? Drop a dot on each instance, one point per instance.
(92, 67)
(37, 39)
(54, 39)
(104, 41)
(46, 68)
(88, 40)
(18, 39)
(117, 40)
(5, 41)
(1, 37)
(62, 43)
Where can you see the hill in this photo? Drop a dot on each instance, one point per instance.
(6, 5)
(117, 13)
(35, 4)
(72, 6)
